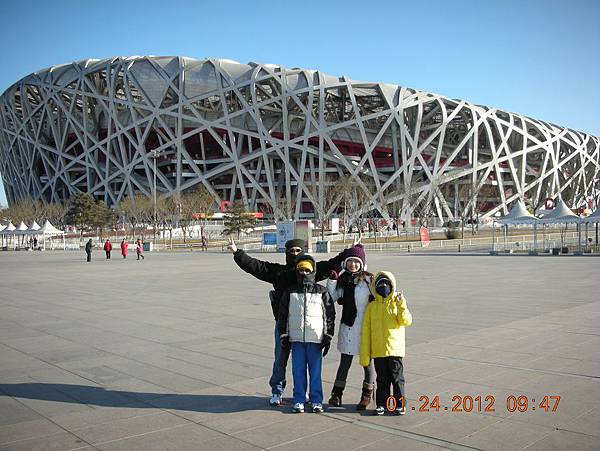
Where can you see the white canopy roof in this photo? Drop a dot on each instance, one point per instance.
(2, 227)
(34, 226)
(518, 214)
(49, 229)
(594, 217)
(560, 214)
(10, 227)
(21, 229)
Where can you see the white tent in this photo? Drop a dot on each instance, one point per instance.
(560, 215)
(594, 217)
(518, 214)
(48, 230)
(21, 230)
(9, 231)
(33, 231)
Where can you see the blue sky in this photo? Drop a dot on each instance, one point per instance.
(537, 58)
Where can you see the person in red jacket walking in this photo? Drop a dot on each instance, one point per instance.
(124, 247)
(107, 249)
(139, 248)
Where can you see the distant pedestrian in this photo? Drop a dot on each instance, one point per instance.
(35, 242)
(107, 249)
(139, 249)
(204, 243)
(124, 247)
(88, 250)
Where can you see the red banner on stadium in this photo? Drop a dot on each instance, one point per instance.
(424, 232)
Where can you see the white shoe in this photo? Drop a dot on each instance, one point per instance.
(317, 408)
(298, 407)
(275, 400)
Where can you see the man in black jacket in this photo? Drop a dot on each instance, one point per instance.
(88, 250)
(281, 277)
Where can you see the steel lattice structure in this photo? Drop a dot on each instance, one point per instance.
(276, 139)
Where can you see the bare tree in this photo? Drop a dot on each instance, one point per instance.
(196, 205)
(169, 211)
(138, 210)
(356, 201)
(325, 205)
(282, 209)
(56, 213)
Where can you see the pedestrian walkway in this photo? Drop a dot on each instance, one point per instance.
(176, 353)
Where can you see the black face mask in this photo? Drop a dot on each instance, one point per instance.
(383, 288)
(292, 259)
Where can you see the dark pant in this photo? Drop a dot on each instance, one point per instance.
(390, 371)
(277, 380)
(108, 255)
(344, 367)
(89, 256)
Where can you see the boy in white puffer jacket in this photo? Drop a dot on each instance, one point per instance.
(306, 323)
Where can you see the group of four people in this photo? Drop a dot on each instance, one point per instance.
(139, 249)
(372, 325)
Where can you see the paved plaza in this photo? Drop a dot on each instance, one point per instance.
(174, 352)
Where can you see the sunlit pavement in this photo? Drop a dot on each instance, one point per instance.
(175, 352)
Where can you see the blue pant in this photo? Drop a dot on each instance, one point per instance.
(307, 356)
(277, 381)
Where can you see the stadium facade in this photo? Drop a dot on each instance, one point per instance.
(279, 140)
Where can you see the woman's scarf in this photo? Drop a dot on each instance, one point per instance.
(349, 312)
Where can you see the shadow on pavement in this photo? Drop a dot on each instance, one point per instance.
(98, 396)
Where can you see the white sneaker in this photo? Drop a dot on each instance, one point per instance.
(298, 407)
(317, 408)
(275, 400)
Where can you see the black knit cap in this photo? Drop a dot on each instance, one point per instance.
(291, 259)
(297, 242)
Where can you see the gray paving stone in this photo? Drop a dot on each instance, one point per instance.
(565, 440)
(59, 442)
(184, 437)
(27, 430)
(129, 427)
(295, 427)
(13, 411)
(506, 435)
(177, 350)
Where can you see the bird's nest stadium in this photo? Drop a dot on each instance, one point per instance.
(279, 140)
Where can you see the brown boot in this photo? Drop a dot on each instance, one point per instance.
(365, 399)
(336, 396)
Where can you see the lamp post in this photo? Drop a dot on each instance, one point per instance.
(154, 157)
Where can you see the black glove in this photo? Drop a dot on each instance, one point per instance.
(325, 344)
(285, 342)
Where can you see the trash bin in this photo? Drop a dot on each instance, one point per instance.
(148, 246)
(323, 247)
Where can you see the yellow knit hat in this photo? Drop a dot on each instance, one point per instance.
(305, 264)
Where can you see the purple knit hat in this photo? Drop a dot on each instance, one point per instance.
(357, 253)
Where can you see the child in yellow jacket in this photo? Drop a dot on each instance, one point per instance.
(383, 340)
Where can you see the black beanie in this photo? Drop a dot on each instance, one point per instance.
(297, 242)
(290, 259)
